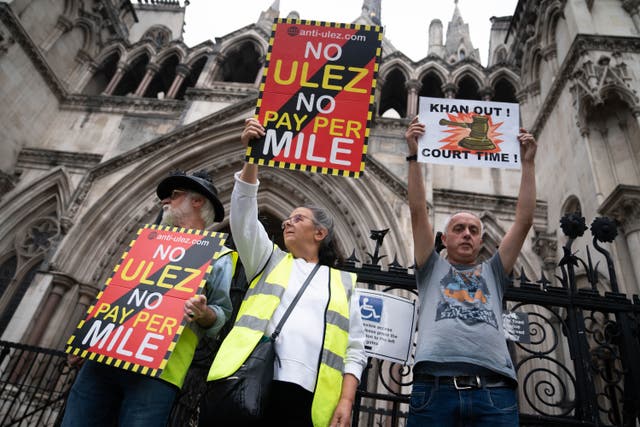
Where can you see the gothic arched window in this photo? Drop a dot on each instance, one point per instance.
(241, 65)
(394, 94)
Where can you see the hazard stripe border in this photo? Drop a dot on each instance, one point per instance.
(134, 367)
(376, 67)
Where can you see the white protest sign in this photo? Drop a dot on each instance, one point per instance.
(470, 133)
(389, 323)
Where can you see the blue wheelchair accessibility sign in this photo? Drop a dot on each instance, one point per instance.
(370, 308)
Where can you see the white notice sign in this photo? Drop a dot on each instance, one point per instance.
(516, 327)
(389, 323)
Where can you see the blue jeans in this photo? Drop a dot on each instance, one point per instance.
(443, 405)
(104, 396)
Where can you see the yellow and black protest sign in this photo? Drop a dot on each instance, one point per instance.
(317, 97)
(137, 319)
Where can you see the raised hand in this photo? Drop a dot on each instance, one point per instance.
(252, 129)
(414, 131)
(528, 146)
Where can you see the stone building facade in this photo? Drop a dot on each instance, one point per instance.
(101, 99)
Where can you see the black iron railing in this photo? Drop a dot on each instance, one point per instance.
(580, 368)
(34, 383)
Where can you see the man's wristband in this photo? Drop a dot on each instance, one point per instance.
(412, 158)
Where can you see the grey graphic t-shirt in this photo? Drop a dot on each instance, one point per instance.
(460, 314)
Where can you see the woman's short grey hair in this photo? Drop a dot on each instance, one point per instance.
(328, 253)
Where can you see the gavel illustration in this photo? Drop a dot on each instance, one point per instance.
(477, 139)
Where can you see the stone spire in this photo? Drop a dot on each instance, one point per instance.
(458, 45)
(266, 18)
(435, 39)
(372, 10)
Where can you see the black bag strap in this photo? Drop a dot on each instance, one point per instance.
(286, 314)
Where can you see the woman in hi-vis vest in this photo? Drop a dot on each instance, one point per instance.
(321, 345)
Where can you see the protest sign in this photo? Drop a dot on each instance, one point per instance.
(470, 133)
(138, 317)
(316, 97)
(389, 324)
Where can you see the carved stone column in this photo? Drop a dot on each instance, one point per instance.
(545, 245)
(623, 204)
(449, 90)
(549, 53)
(636, 114)
(152, 70)
(217, 71)
(486, 93)
(82, 72)
(182, 71)
(633, 8)
(380, 81)
(46, 313)
(413, 88)
(261, 61)
(120, 71)
(62, 26)
(89, 69)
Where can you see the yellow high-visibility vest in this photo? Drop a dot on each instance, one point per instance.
(178, 364)
(259, 304)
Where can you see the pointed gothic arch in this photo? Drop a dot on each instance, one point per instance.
(393, 93)
(175, 50)
(435, 68)
(571, 205)
(50, 192)
(433, 79)
(103, 74)
(468, 87)
(239, 61)
(504, 90)
(394, 64)
(614, 138)
(164, 77)
(499, 55)
(116, 47)
(504, 74)
(357, 206)
(33, 227)
(137, 67)
(553, 13)
(90, 32)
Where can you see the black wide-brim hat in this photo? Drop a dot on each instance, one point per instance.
(198, 182)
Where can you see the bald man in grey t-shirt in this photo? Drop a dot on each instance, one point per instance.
(463, 373)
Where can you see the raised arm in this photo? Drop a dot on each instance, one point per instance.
(512, 242)
(423, 238)
(252, 130)
(251, 239)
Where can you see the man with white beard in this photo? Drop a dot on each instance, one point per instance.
(103, 395)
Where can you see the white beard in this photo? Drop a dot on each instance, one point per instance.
(172, 216)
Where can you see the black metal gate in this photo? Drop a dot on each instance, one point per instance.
(582, 366)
